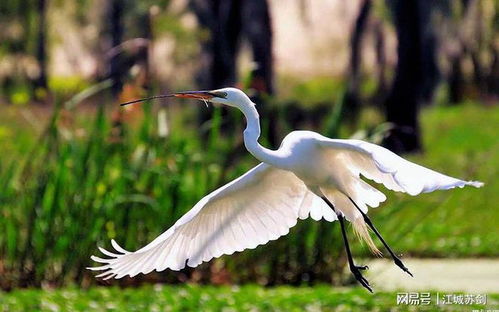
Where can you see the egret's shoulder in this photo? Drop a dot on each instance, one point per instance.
(303, 134)
(301, 137)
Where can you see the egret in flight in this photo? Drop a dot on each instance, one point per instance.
(309, 175)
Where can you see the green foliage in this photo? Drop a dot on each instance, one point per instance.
(19, 94)
(64, 87)
(85, 181)
(460, 141)
(210, 298)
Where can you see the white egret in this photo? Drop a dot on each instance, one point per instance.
(309, 175)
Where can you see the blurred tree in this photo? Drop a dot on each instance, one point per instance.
(352, 100)
(218, 51)
(123, 50)
(145, 34)
(493, 77)
(40, 84)
(114, 18)
(258, 29)
(228, 22)
(416, 74)
(470, 48)
(23, 50)
(459, 13)
(381, 64)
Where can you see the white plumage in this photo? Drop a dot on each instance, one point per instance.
(267, 201)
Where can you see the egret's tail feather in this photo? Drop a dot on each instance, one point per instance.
(362, 232)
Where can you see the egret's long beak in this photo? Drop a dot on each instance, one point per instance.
(200, 95)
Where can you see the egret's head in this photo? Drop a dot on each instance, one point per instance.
(225, 96)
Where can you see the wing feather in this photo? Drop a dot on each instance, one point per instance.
(259, 206)
(383, 166)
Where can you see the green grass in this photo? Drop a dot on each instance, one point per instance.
(84, 182)
(462, 142)
(212, 298)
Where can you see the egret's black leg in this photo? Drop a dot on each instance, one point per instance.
(396, 259)
(353, 268)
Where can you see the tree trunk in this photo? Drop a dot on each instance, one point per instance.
(257, 28)
(416, 73)
(115, 24)
(352, 100)
(456, 80)
(40, 84)
(228, 21)
(145, 32)
(218, 52)
(493, 76)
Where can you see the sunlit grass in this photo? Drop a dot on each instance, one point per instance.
(83, 183)
(460, 141)
(213, 298)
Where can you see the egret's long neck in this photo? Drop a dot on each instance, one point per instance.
(251, 135)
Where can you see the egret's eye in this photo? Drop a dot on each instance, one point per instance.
(219, 94)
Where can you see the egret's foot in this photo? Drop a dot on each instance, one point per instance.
(401, 265)
(358, 276)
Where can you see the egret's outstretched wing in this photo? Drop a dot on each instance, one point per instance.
(259, 206)
(383, 166)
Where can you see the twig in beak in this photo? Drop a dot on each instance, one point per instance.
(199, 95)
(147, 99)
